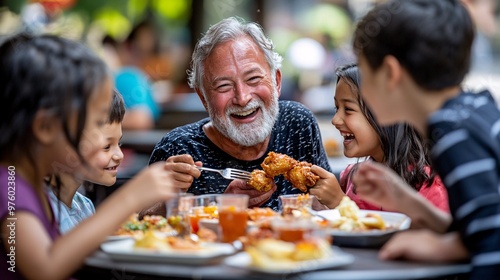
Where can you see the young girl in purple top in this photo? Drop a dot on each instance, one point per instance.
(55, 96)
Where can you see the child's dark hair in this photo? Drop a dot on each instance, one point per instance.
(117, 110)
(431, 39)
(404, 149)
(44, 72)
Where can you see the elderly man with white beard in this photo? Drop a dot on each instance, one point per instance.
(236, 74)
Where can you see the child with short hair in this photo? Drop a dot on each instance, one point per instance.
(57, 97)
(397, 146)
(413, 56)
(70, 206)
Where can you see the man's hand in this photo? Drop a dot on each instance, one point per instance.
(183, 169)
(256, 199)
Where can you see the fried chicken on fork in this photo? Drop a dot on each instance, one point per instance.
(260, 180)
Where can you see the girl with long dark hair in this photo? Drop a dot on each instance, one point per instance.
(398, 146)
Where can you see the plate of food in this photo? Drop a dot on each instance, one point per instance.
(350, 226)
(172, 250)
(135, 228)
(274, 256)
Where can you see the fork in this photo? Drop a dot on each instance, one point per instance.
(229, 173)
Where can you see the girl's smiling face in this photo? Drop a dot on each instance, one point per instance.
(360, 138)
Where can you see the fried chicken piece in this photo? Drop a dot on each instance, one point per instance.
(260, 181)
(275, 164)
(301, 176)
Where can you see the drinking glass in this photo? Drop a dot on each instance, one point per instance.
(233, 216)
(201, 207)
(293, 229)
(176, 211)
(291, 203)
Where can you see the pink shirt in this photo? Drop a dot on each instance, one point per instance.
(435, 193)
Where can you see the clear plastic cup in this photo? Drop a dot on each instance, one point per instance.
(201, 207)
(295, 203)
(233, 216)
(176, 211)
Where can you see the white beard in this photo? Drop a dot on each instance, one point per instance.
(249, 134)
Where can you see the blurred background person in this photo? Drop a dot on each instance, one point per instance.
(483, 14)
(485, 71)
(133, 82)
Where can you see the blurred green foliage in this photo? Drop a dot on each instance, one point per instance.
(15, 5)
(117, 17)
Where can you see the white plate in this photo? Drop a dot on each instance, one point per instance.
(124, 250)
(370, 238)
(139, 234)
(118, 237)
(337, 259)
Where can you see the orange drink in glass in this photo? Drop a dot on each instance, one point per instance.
(233, 216)
(194, 217)
(202, 207)
(292, 234)
(291, 229)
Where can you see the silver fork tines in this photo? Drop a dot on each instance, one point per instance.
(229, 173)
